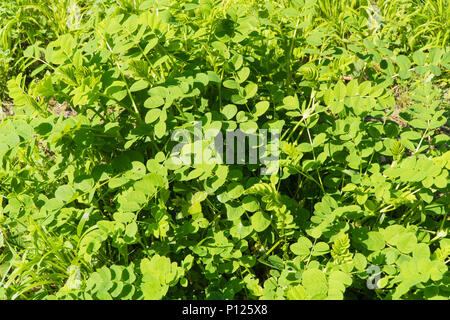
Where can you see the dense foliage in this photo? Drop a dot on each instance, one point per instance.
(92, 207)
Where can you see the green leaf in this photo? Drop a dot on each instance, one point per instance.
(64, 193)
(406, 242)
(315, 283)
(229, 111)
(231, 84)
(154, 102)
(352, 88)
(328, 97)
(139, 85)
(160, 129)
(315, 39)
(240, 231)
(419, 58)
(337, 106)
(302, 247)
(340, 91)
(375, 241)
(250, 90)
(319, 139)
(124, 217)
(152, 115)
(131, 230)
(403, 62)
(337, 282)
(441, 181)
(297, 292)
(261, 108)
(242, 74)
(150, 45)
(250, 203)
(260, 221)
(320, 248)
(360, 261)
(376, 91)
(238, 99)
(418, 123)
(291, 102)
(235, 190)
(234, 211)
(365, 88)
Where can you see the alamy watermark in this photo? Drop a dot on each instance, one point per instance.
(374, 17)
(74, 16)
(212, 146)
(374, 276)
(74, 280)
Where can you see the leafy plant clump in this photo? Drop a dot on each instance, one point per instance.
(355, 205)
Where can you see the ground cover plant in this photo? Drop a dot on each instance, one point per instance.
(353, 205)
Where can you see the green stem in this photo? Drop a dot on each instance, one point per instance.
(288, 64)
